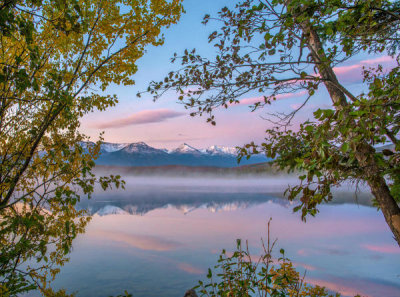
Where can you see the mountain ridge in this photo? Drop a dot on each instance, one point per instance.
(142, 155)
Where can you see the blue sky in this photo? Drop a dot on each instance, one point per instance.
(166, 124)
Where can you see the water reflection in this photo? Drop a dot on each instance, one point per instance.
(159, 240)
(188, 194)
(185, 203)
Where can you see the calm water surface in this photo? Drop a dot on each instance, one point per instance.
(158, 238)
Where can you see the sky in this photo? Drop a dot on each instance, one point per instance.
(167, 124)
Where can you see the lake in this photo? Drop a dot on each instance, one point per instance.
(160, 235)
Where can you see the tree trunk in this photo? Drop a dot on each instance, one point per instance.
(364, 152)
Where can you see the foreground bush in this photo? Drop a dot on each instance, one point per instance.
(241, 274)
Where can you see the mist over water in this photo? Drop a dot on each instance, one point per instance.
(162, 190)
(209, 184)
(272, 182)
(159, 236)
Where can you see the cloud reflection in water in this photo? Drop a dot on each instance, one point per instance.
(164, 239)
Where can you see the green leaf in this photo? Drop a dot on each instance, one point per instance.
(345, 147)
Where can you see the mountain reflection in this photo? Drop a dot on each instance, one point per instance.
(139, 200)
(142, 203)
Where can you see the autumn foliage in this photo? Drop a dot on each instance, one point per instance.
(55, 59)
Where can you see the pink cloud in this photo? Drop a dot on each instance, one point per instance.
(353, 286)
(336, 287)
(141, 117)
(350, 73)
(254, 100)
(305, 266)
(383, 59)
(353, 73)
(190, 268)
(143, 242)
(302, 252)
(384, 249)
(345, 69)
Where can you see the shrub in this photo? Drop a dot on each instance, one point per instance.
(241, 274)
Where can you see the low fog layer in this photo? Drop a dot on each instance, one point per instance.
(270, 182)
(147, 192)
(204, 184)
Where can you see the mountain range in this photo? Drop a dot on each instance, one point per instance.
(143, 155)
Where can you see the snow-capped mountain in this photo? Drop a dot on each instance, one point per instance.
(141, 154)
(109, 147)
(141, 148)
(221, 150)
(186, 149)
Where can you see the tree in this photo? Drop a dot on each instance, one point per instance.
(52, 55)
(285, 46)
